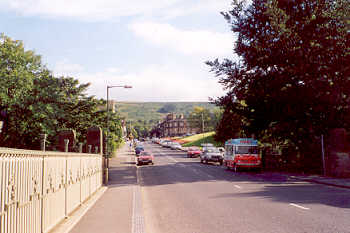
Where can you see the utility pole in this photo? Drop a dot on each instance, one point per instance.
(202, 123)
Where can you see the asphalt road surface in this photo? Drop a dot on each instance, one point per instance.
(181, 195)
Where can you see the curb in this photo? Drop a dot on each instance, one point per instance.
(320, 182)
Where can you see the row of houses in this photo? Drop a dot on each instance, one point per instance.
(173, 125)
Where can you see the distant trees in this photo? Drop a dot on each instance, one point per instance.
(167, 108)
(204, 119)
(291, 82)
(35, 102)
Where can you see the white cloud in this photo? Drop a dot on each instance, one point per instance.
(109, 9)
(66, 68)
(189, 42)
(155, 83)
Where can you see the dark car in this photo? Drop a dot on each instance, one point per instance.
(145, 157)
(139, 149)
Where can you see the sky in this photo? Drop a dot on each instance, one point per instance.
(159, 47)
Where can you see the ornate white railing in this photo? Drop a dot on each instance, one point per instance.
(40, 189)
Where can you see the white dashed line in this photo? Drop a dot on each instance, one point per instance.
(299, 206)
(237, 186)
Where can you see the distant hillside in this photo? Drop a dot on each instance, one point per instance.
(156, 110)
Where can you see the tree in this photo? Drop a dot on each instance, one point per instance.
(167, 108)
(291, 82)
(18, 70)
(33, 101)
(200, 118)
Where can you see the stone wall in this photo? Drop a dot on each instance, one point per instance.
(338, 154)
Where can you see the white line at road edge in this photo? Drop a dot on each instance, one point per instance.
(237, 186)
(299, 206)
(137, 213)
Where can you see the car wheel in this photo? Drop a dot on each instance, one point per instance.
(201, 160)
(220, 163)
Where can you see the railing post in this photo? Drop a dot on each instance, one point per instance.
(43, 141)
(42, 194)
(96, 149)
(89, 149)
(80, 147)
(66, 144)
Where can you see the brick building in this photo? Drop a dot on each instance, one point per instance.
(173, 125)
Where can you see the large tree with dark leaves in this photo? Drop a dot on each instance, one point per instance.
(291, 82)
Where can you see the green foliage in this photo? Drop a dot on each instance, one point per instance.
(204, 118)
(292, 80)
(36, 102)
(145, 115)
(167, 108)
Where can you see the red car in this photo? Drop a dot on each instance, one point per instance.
(145, 157)
(193, 152)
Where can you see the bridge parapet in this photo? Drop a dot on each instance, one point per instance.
(40, 188)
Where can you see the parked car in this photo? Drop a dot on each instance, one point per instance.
(212, 154)
(175, 146)
(166, 143)
(222, 150)
(193, 151)
(145, 157)
(139, 149)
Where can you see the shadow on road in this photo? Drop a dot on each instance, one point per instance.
(122, 176)
(274, 186)
(301, 194)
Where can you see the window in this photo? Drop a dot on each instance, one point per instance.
(246, 150)
(229, 150)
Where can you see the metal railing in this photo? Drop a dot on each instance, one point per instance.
(40, 189)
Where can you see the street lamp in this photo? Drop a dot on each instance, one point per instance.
(108, 87)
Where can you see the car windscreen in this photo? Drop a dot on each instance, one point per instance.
(247, 150)
(213, 150)
(145, 153)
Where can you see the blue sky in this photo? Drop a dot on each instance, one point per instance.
(157, 46)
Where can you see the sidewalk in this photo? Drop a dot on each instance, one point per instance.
(336, 182)
(113, 211)
(330, 181)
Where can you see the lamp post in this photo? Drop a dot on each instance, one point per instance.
(108, 87)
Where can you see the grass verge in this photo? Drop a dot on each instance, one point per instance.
(198, 139)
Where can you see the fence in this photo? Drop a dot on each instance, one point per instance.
(40, 189)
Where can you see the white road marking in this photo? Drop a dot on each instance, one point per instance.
(171, 158)
(237, 186)
(299, 206)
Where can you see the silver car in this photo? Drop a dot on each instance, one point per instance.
(212, 154)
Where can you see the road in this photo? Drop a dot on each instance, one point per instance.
(181, 195)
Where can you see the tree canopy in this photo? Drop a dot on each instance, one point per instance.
(167, 108)
(292, 79)
(34, 101)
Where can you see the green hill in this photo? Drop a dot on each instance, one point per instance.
(151, 112)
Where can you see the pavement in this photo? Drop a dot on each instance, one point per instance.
(336, 182)
(113, 211)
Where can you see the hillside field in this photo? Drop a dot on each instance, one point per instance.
(152, 111)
